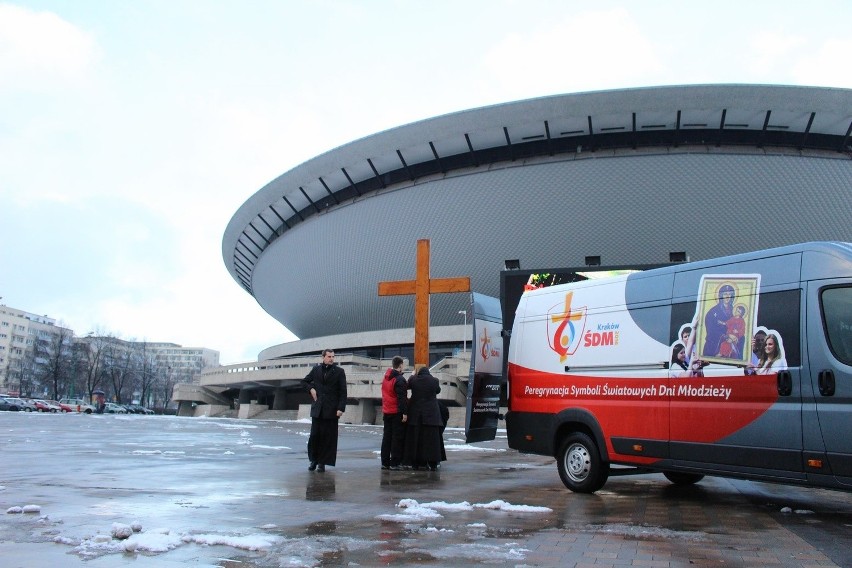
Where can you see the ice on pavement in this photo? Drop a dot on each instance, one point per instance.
(438, 520)
(24, 509)
(414, 511)
(122, 538)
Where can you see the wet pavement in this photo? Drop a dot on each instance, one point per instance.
(229, 493)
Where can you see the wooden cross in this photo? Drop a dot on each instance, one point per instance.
(422, 286)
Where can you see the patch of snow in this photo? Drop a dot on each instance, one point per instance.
(646, 531)
(414, 511)
(470, 448)
(444, 506)
(121, 531)
(504, 506)
(250, 542)
(476, 551)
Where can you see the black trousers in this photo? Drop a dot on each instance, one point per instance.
(393, 439)
(424, 445)
(322, 443)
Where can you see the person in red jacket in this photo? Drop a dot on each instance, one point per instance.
(394, 403)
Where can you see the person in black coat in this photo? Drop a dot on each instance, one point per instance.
(424, 444)
(326, 383)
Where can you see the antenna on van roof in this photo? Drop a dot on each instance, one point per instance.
(678, 257)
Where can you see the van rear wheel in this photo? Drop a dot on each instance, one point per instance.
(580, 466)
(681, 478)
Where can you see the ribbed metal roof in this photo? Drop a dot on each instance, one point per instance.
(423, 159)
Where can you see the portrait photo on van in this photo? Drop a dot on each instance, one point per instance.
(725, 318)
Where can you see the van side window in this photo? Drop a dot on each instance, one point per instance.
(836, 304)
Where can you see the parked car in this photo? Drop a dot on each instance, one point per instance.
(21, 404)
(5, 404)
(113, 408)
(76, 405)
(45, 405)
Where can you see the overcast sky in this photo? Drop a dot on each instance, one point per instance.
(131, 131)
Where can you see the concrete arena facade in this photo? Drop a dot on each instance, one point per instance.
(627, 175)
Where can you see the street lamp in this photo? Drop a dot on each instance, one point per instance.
(464, 331)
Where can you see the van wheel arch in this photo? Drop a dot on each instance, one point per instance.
(580, 451)
(577, 420)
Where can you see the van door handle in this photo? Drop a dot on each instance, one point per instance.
(785, 383)
(825, 382)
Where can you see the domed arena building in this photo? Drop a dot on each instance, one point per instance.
(616, 178)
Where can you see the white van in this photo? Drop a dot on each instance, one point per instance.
(738, 367)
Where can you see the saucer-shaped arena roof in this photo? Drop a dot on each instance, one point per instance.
(627, 175)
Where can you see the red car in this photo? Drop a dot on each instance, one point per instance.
(46, 405)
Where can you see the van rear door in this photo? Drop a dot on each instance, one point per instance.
(829, 326)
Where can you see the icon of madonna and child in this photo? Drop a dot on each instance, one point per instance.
(725, 331)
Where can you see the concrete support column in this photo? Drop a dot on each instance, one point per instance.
(279, 402)
(367, 409)
(185, 408)
(245, 396)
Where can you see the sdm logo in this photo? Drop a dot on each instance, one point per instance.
(565, 327)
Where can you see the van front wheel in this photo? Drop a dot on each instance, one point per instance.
(580, 466)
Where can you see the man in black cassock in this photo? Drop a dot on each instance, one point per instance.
(327, 384)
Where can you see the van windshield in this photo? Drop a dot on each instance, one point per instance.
(837, 319)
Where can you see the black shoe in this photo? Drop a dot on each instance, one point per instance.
(433, 467)
(386, 467)
(320, 467)
(313, 466)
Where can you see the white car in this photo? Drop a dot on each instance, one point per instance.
(76, 405)
(113, 408)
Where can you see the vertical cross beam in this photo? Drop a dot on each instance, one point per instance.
(422, 287)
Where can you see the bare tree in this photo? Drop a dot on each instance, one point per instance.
(57, 368)
(93, 351)
(21, 370)
(149, 371)
(118, 364)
